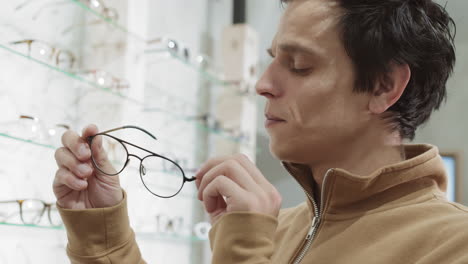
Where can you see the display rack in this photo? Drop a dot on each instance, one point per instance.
(138, 102)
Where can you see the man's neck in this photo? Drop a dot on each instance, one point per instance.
(363, 156)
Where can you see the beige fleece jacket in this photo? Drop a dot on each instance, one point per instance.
(398, 214)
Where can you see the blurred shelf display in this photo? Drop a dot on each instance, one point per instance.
(71, 63)
(110, 17)
(81, 78)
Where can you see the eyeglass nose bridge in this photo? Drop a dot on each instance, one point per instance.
(142, 167)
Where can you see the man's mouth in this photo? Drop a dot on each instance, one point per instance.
(272, 120)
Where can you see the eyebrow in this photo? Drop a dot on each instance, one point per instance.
(297, 48)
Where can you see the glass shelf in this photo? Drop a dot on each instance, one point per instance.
(120, 95)
(33, 226)
(210, 76)
(142, 235)
(28, 141)
(109, 21)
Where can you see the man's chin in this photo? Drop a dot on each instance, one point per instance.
(281, 151)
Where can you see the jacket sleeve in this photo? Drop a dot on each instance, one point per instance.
(243, 237)
(101, 235)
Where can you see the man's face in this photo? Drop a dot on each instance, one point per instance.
(309, 85)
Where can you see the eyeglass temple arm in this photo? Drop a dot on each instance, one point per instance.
(21, 41)
(12, 201)
(191, 179)
(125, 127)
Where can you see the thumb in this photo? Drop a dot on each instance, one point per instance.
(98, 152)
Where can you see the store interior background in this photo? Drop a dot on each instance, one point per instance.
(166, 89)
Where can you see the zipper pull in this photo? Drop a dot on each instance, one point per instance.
(315, 222)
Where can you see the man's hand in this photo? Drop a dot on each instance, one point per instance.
(238, 180)
(77, 184)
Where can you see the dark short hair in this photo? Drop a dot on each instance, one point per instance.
(420, 33)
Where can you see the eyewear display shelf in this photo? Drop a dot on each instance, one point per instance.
(209, 76)
(139, 235)
(138, 102)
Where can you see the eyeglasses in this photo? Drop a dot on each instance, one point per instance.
(32, 128)
(32, 211)
(97, 6)
(43, 51)
(104, 79)
(170, 45)
(108, 13)
(155, 170)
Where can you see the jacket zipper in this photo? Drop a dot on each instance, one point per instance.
(315, 221)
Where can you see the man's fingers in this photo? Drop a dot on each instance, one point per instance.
(65, 177)
(65, 158)
(89, 130)
(250, 167)
(219, 187)
(232, 170)
(242, 159)
(77, 145)
(208, 165)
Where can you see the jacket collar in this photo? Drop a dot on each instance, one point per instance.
(421, 175)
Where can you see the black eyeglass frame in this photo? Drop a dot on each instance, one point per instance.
(152, 154)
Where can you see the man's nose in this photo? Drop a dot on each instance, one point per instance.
(266, 85)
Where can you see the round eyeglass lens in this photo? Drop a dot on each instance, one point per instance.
(54, 216)
(32, 211)
(161, 176)
(65, 60)
(105, 148)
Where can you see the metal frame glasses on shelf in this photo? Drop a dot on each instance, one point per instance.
(104, 79)
(35, 210)
(98, 6)
(49, 52)
(144, 169)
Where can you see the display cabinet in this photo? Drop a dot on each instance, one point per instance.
(69, 63)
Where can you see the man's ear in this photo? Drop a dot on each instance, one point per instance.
(389, 88)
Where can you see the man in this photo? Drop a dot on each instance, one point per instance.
(350, 80)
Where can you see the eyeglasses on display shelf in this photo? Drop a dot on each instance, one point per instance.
(201, 63)
(31, 212)
(31, 128)
(104, 79)
(100, 8)
(155, 169)
(45, 52)
(170, 45)
(96, 6)
(175, 225)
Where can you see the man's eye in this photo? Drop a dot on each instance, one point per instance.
(270, 52)
(303, 71)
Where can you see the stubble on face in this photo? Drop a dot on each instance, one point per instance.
(323, 111)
